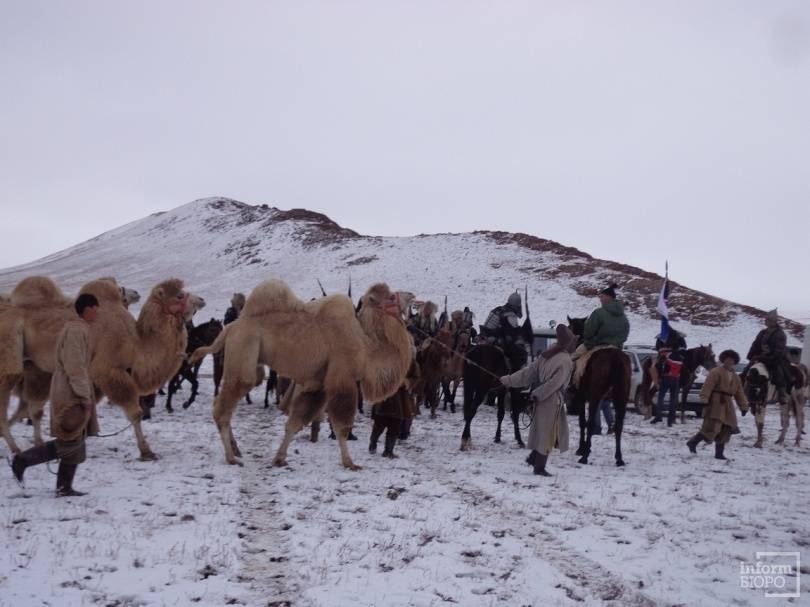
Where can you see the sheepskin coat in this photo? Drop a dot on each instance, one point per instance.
(549, 422)
(73, 409)
(720, 387)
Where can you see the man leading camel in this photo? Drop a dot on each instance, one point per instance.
(73, 409)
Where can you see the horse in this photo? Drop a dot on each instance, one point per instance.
(702, 356)
(432, 358)
(198, 337)
(454, 369)
(760, 391)
(607, 372)
(485, 364)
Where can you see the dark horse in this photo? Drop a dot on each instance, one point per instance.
(702, 356)
(607, 374)
(484, 366)
(198, 337)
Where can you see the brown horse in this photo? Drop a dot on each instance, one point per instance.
(432, 358)
(454, 369)
(607, 374)
(702, 356)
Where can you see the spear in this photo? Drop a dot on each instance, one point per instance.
(527, 325)
(321, 286)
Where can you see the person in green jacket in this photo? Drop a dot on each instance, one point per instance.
(607, 326)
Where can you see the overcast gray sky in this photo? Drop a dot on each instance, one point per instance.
(636, 131)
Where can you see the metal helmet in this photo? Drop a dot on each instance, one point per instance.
(515, 302)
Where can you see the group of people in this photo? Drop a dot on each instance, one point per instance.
(73, 410)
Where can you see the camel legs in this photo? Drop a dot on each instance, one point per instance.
(134, 414)
(224, 407)
(7, 384)
(501, 415)
(36, 410)
(304, 408)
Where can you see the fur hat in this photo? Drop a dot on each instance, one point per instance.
(610, 290)
(773, 315)
(566, 342)
(729, 353)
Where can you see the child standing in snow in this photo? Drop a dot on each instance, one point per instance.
(720, 420)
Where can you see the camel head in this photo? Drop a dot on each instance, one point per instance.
(195, 304)
(128, 296)
(379, 296)
(171, 298)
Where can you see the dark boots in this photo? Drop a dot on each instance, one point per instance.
(692, 443)
(390, 443)
(532, 457)
(64, 481)
(32, 457)
(718, 450)
(540, 464)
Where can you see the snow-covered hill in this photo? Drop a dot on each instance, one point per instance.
(219, 246)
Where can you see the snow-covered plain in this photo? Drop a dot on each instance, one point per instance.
(434, 527)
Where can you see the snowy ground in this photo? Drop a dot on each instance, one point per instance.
(434, 527)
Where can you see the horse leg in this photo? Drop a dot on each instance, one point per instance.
(579, 405)
(621, 409)
(191, 376)
(471, 403)
(593, 409)
(516, 420)
(501, 415)
(456, 384)
(173, 385)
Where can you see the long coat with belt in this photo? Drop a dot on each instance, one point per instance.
(73, 409)
(720, 387)
(549, 422)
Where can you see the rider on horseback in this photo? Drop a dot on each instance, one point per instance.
(770, 348)
(607, 326)
(424, 324)
(502, 328)
(237, 303)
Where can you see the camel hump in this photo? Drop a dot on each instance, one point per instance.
(104, 289)
(271, 296)
(37, 292)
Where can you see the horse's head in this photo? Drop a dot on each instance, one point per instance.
(577, 326)
(706, 357)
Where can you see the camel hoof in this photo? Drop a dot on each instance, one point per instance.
(582, 460)
(235, 462)
(352, 466)
(148, 456)
(279, 462)
(758, 444)
(619, 462)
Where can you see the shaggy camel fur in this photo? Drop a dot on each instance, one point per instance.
(30, 323)
(323, 347)
(129, 358)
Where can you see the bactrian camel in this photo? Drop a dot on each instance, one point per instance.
(130, 358)
(323, 346)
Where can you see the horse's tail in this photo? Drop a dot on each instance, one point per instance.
(214, 348)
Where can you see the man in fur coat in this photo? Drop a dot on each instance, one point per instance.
(550, 372)
(73, 403)
(720, 420)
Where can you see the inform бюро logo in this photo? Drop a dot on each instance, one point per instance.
(776, 573)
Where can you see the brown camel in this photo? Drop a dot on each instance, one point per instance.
(323, 347)
(130, 358)
(30, 324)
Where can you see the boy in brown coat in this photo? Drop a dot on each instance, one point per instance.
(73, 403)
(720, 420)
